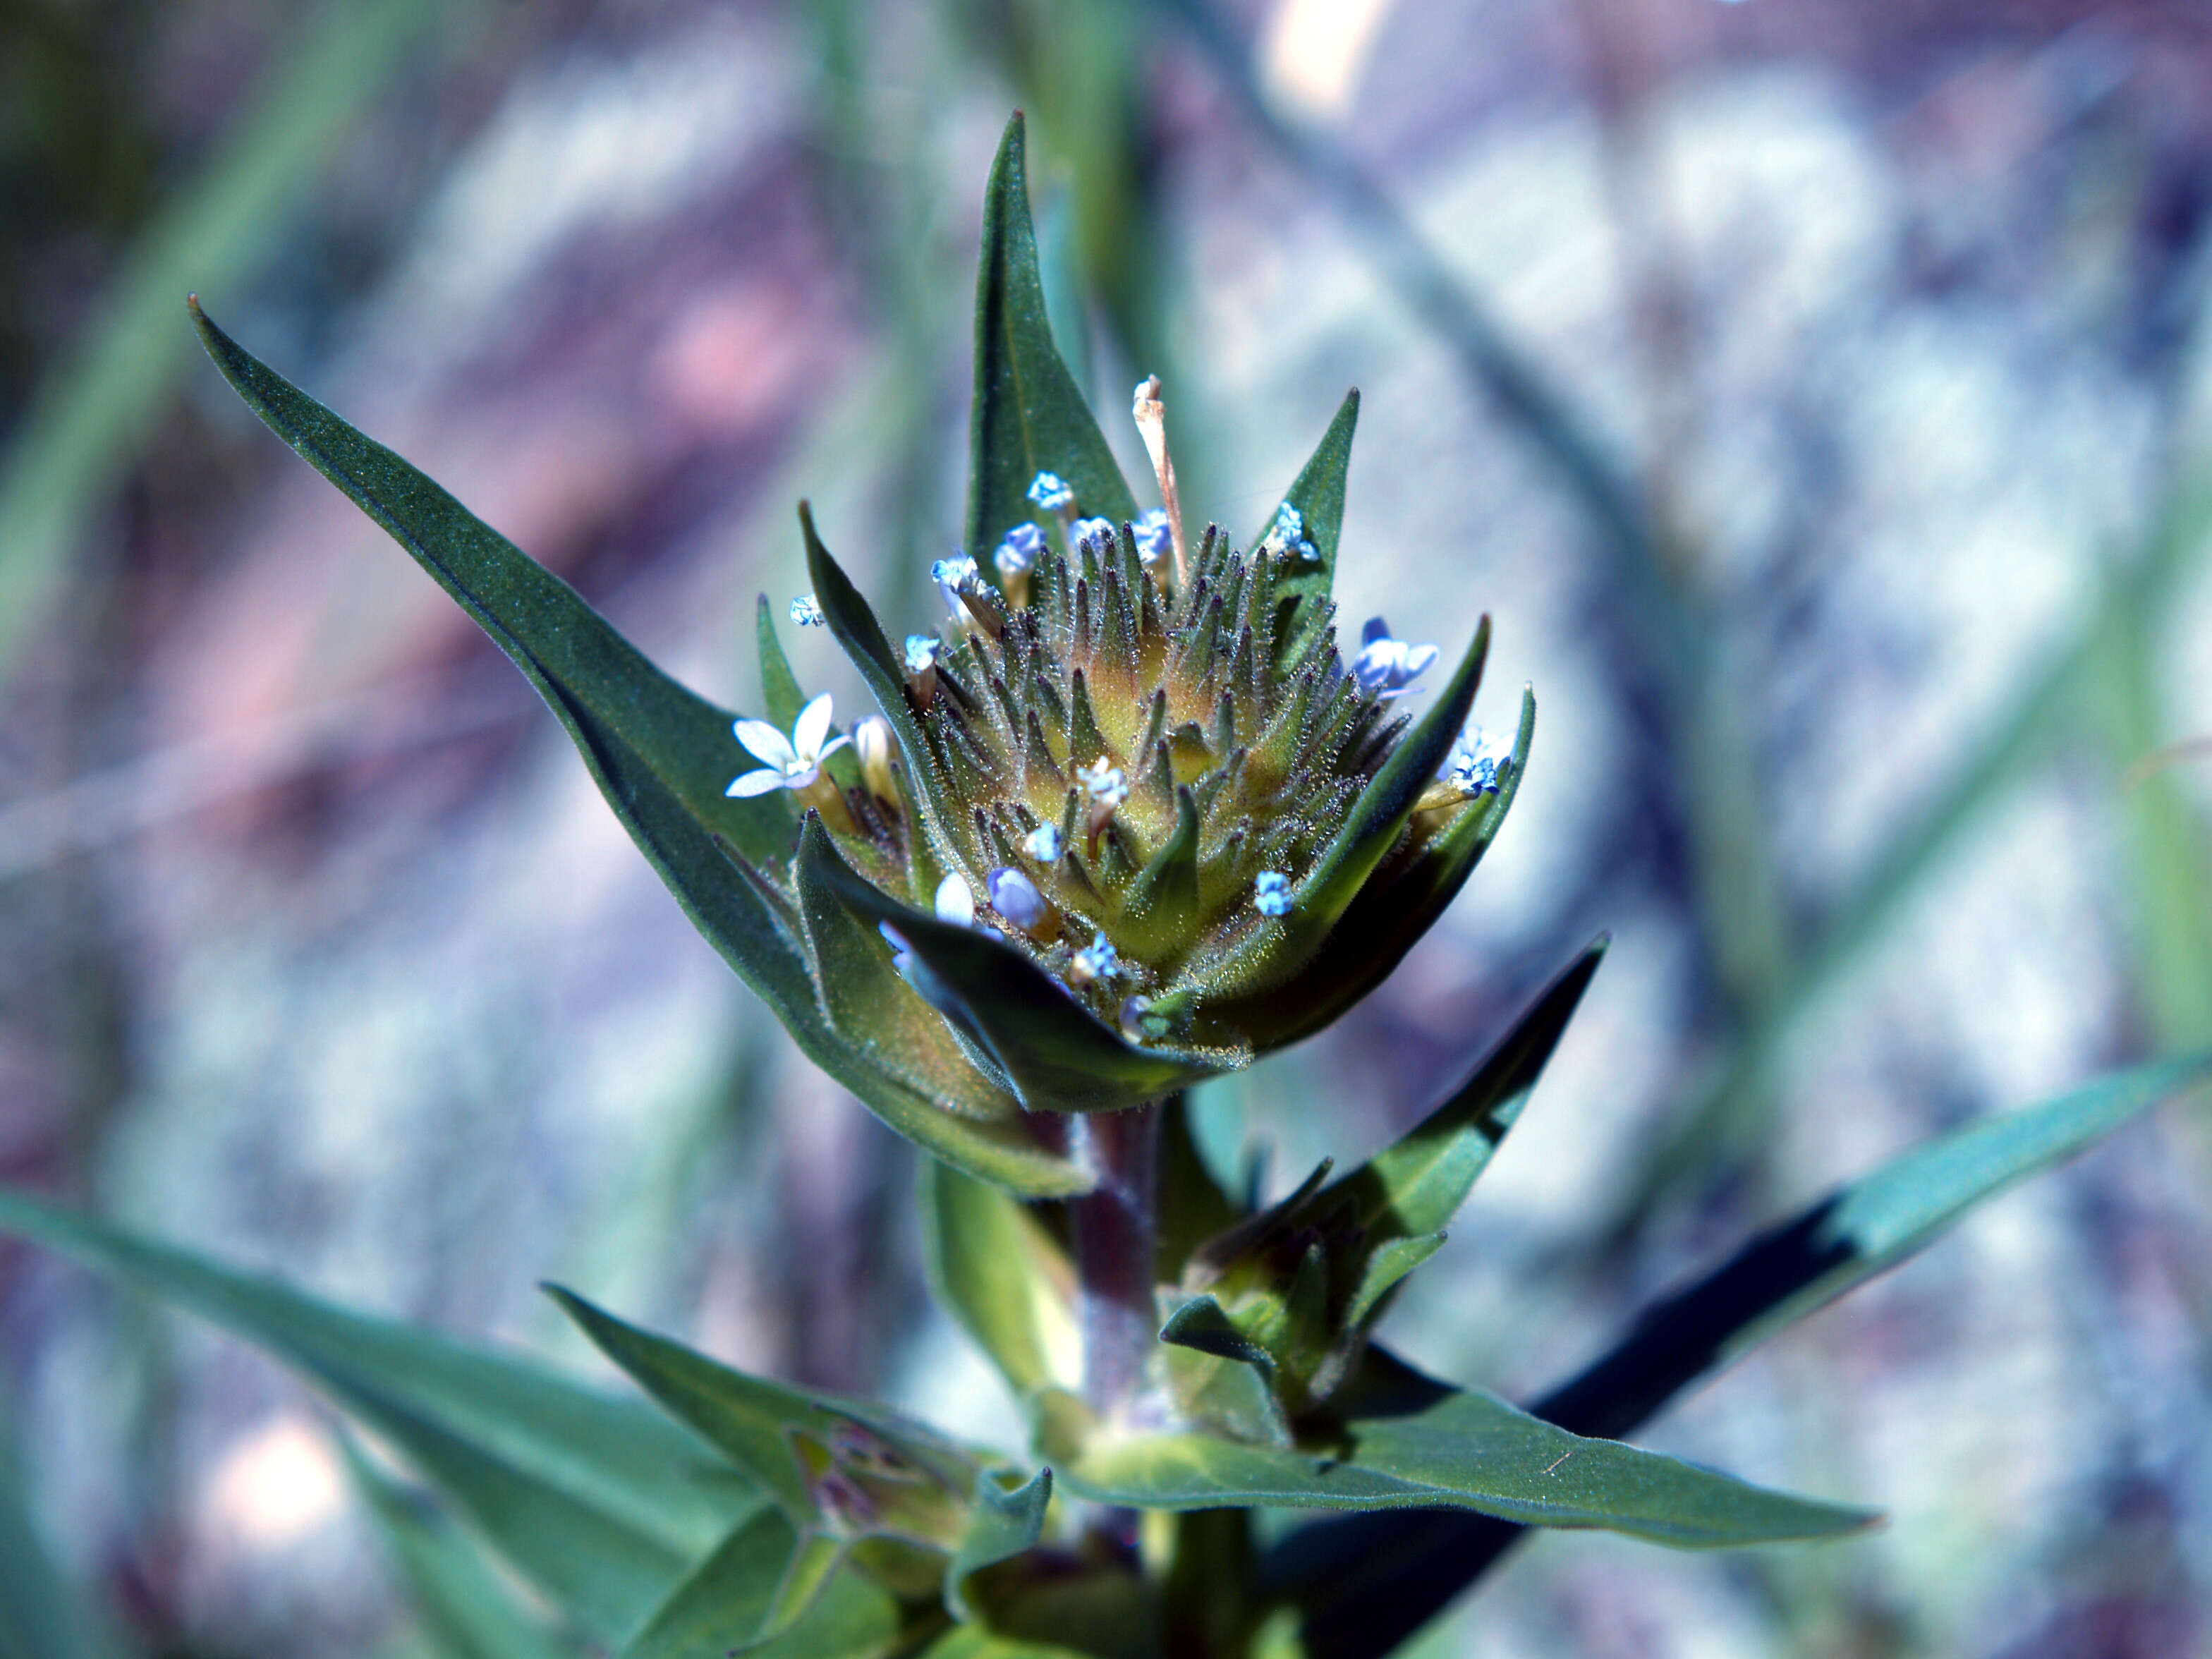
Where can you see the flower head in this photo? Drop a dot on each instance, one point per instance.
(1155, 539)
(1050, 492)
(793, 762)
(1387, 666)
(806, 613)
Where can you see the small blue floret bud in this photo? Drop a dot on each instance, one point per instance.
(1155, 540)
(1043, 843)
(1015, 897)
(1019, 550)
(1271, 893)
(1050, 492)
(920, 652)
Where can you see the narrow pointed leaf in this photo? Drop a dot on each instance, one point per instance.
(718, 1609)
(816, 1560)
(1056, 1055)
(1004, 1522)
(600, 1502)
(1363, 1584)
(1028, 415)
(1414, 1186)
(1318, 495)
(781, 696)
(1383, 1272)
(1199, 1323)
(996, 1270)
(469, 1614)
(750, 1420)
(1408, 1442)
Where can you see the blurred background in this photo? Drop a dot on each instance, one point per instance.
(1815, 393)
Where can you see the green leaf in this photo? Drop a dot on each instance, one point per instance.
(469, 1614)
(1318, 495)
(1028, 415)
(1388, 917)
(1364, 1583)
(1004, 1524)
(716, 1612)
(752, 1421)
(972, 1642)
(997, 1270)
(1859, 1230)
(1054, 1053)
(1417, 1184)
(599, 1501)
(781, 696)
(1404, 1441)
(1382, 1271)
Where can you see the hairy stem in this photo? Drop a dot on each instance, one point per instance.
(1114, 1235)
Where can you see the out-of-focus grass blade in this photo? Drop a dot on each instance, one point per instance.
(467, 1612)
(602, 1502)
(98, 402)
(1363, 1586)
(42, 1616)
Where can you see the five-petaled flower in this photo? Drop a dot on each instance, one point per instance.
(1050, 492)
(1043, 843)
(1287, 535)
(807, 612)
(793, 762)
(1097, 960)
(1271, 893)
(1102, 781)
(1387, 666)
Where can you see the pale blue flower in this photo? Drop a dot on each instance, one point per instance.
(806, 613)
(1386, 666)
(1134, 1010)
(1155, 541)
(1478, 761)
(1271, 893)
(1050, 492)
(793, 762)
(1019, 550)
(1287, 536)
(920, 652)
(1102, 781)
(1043, 843)
(955, 901)
(1084, 530)
(1015, 897)
(1097, 960)
(950, 576)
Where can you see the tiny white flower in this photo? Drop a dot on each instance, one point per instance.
(806, 613)
(1050, 492)
(1084, 530)
(1271, 893)
(872, 741)
(920, 652)
(1015, 897)
(950, 576)
(1477, 762)
(1019, 550)
(1155, 540)
(1097, 960)
(793, 762)
(1102, 781)
(1387, 666)
(1043, 843)
(956, 901)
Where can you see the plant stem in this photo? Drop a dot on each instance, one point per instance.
(1114, 1231)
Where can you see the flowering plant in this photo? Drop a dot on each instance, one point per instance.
(1126, 818)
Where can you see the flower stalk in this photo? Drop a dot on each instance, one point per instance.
(1115, 1230)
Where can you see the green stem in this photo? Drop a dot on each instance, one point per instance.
(1115, 1230)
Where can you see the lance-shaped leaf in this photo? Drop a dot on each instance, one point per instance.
(1400, 1440)
(1219, 990)
(1390, 914)
(999, 1271)
(600, 1502)
(873, 1008)
(781, 696)
(853, 625)
(1415, 1185)
(661, 755)
(468, 1613)
(722, 1607)
(1004, 1524)
(753, 1422)
(1317, 494)
(1029, 416)
(1362, 1585)
(1054, 1053)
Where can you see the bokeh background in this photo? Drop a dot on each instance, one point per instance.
(1815, 393)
